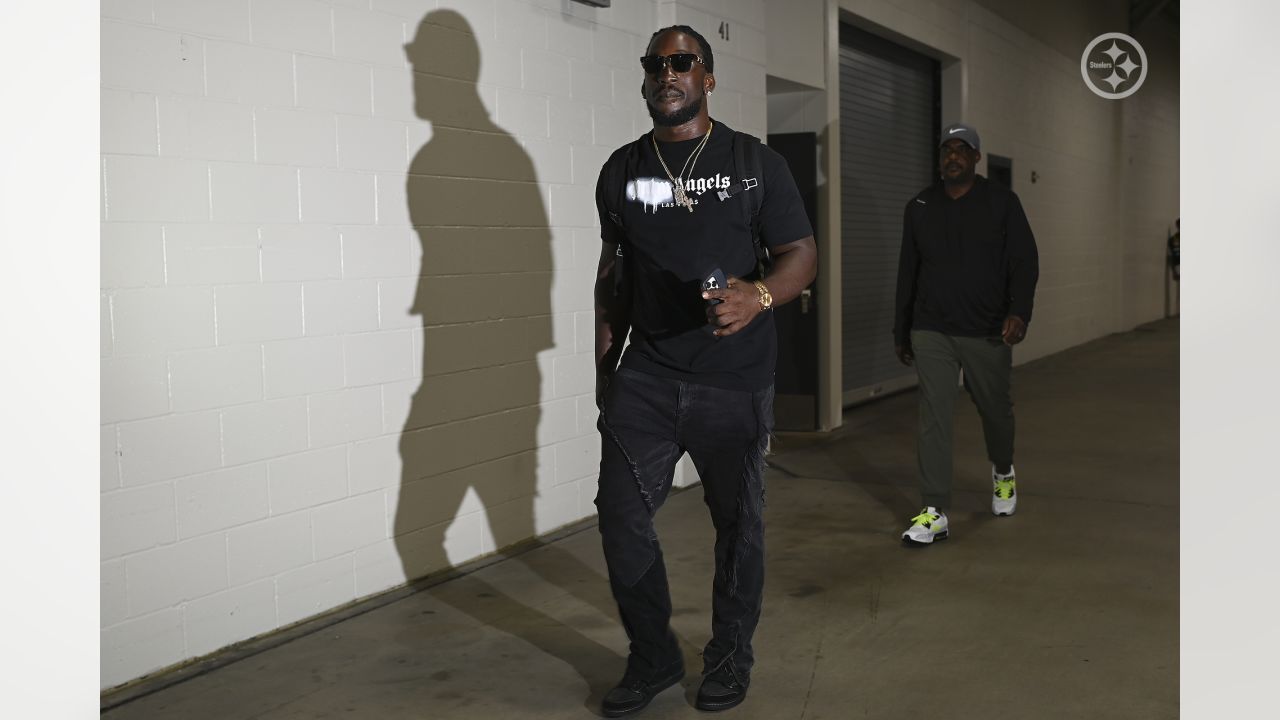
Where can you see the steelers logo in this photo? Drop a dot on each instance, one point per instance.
(1113, 66)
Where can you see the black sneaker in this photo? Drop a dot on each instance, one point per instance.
(633, 693)
(721, 689)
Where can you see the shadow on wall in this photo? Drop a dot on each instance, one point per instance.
(484, 298)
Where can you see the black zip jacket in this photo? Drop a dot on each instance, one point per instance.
(965, 264)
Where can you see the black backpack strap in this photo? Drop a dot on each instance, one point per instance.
(749, 174)
(618, 172)
(745, 147)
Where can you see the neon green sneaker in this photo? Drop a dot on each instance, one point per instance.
(1004, 492)
(929, 525)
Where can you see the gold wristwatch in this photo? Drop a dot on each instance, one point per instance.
(766, 300)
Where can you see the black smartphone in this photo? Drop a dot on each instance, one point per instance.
(713, 280)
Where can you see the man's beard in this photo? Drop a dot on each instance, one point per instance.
(962, 179)
(679, 117)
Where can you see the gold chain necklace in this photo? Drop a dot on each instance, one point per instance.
(682, 198)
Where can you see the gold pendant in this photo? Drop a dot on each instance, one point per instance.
(682, 199)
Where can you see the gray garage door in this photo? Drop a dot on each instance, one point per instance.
(888, 125)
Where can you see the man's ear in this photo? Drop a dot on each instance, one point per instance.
(709, 84)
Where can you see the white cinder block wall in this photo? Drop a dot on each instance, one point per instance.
(346, 327)
(346, 291)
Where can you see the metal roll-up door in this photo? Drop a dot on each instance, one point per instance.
(889, 105)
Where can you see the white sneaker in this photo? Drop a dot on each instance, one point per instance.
(1004, 492)
(929, 525)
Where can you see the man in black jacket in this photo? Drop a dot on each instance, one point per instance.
(966, 281)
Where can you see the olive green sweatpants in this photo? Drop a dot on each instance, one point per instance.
(987, 365)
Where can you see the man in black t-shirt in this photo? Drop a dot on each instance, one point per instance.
(966, 281)
(697, 375)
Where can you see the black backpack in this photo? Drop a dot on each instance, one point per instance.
(746, 168)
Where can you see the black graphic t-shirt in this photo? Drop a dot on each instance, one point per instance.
(669, 251)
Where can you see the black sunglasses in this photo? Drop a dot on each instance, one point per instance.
(680, 62)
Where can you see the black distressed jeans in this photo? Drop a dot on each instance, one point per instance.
(647, 424)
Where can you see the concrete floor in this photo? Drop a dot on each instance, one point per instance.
(1067, 610)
